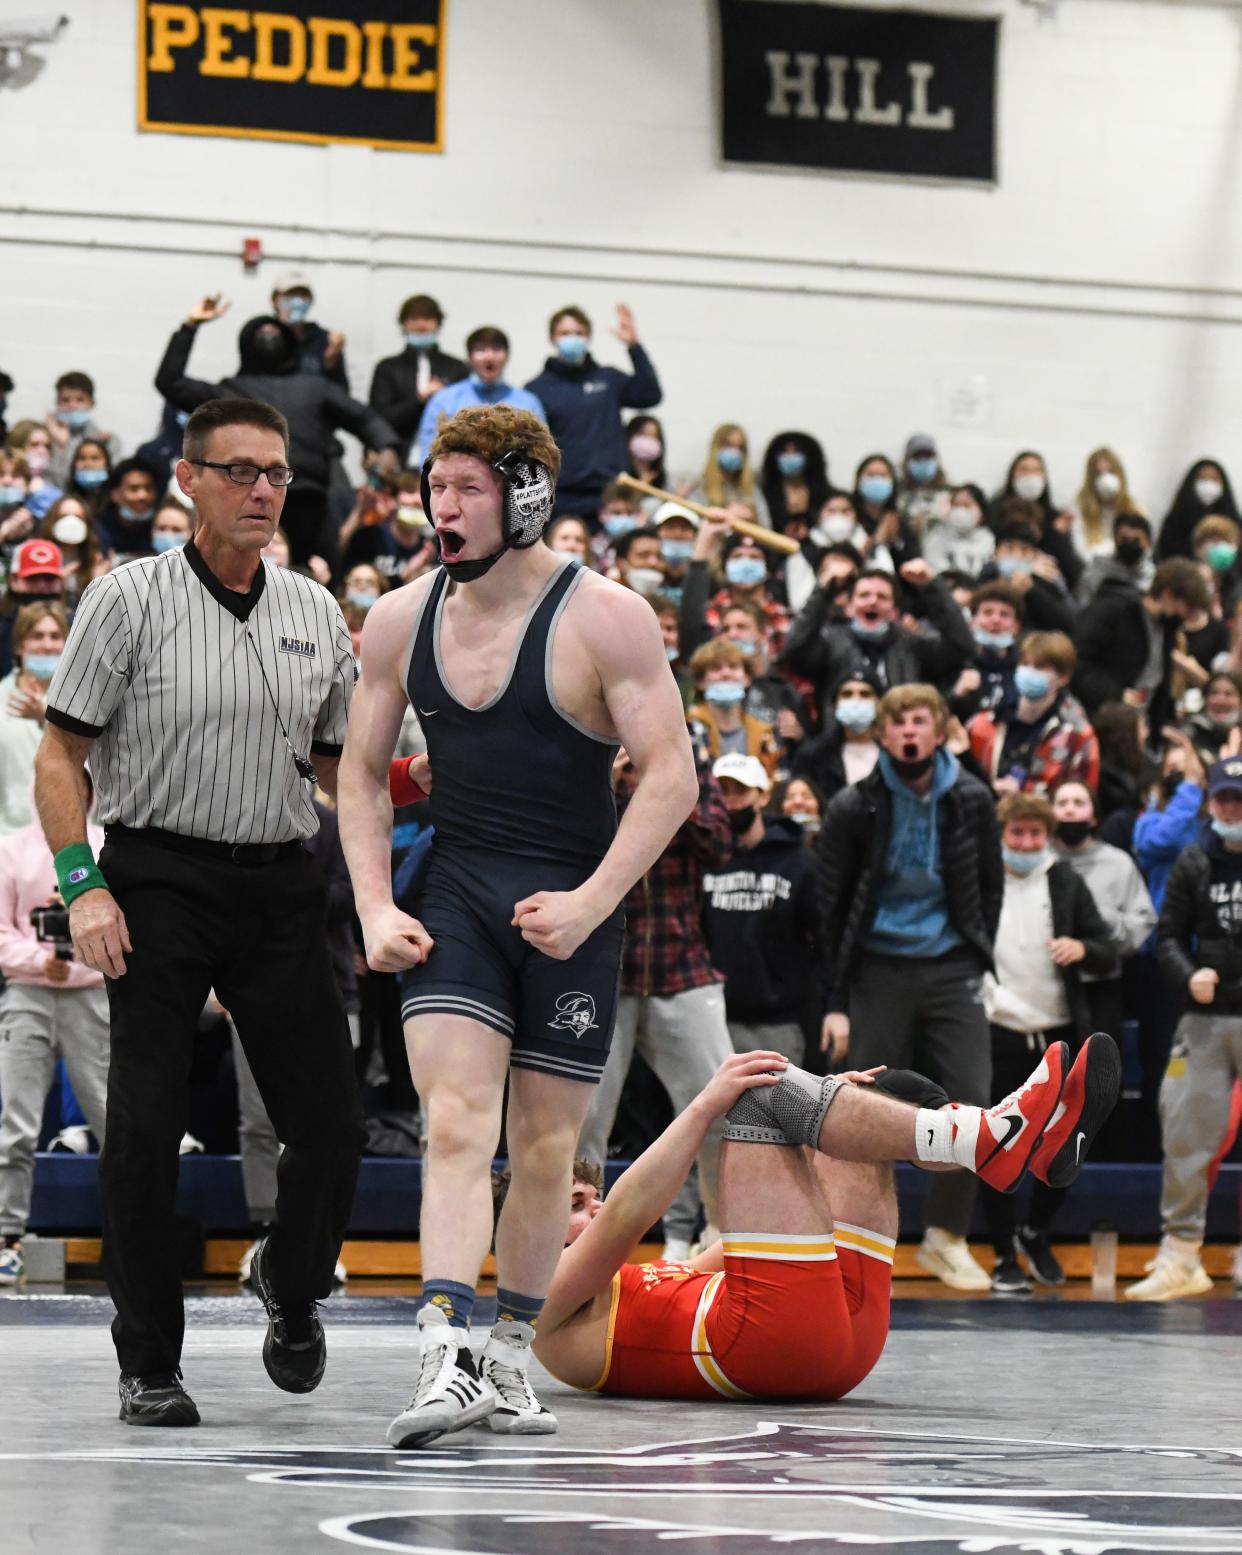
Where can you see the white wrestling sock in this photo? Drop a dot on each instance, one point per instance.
(948, 1136)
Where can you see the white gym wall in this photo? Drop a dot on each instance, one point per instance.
(1095, 295)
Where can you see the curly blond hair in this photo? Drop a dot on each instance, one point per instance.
(488, 432)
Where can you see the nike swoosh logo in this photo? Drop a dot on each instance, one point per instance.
(1078, 1149)
(428, 712)
(1014, 1125)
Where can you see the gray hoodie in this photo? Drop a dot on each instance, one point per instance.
(1114, 880)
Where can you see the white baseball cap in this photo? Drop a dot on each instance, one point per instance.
(293, 281)
(668, 510)
(749, 771)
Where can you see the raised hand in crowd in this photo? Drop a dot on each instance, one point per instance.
(626, 330)
(208, 309)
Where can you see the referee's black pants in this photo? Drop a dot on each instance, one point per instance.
(256, 934)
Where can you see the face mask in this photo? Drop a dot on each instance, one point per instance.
(745, 571)
(1072, 833)
(856, 713)
(869, 633)
(91, 478)
(267, 350)
(41, 665)
(645, 448)
(134, 515)
(412, 518)
(181, 417)
(1221, 555)
(167, 542)
(1023, 863)
(676, 552)
(730, 460)
(1107, 485)
(1225, 721)
(645, 580)
(1029, 487)
(1227, 831)
(1031, 682)
(837, 528)
(618, 524)
(75, 420)
(421, 339)
(1130, 552)
(808, 822)
(742, 820)
(963, 519)
(923, 469)
(1208, 491)
(791, 464)
(69, 530)
(671, 654)
(572, 349)
(1012, 566)
(875, 488)
(294, 309)
(914, 769)
(11, 496)
(37, 460)
(725, 693)
(363, 598)
(999, 642)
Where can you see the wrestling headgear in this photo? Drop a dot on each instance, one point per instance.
(527, 491)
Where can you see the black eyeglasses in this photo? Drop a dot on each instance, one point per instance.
(248, 474)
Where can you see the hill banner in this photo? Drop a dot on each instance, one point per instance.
(366, 72)
(902, 93)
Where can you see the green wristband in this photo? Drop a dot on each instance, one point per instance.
(77, 872)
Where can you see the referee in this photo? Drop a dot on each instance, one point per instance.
(210, 689)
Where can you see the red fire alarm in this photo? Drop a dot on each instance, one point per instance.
(252, 253)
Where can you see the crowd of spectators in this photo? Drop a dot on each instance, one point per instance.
(971, 764)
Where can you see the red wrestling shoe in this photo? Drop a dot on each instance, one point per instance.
(1091, 1090)
(1009, 1132)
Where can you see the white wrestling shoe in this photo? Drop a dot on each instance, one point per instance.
(505, 1366)
(449, 1394)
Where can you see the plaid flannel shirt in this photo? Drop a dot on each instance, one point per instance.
(665, 949)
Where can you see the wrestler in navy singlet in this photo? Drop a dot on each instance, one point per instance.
(521, 802)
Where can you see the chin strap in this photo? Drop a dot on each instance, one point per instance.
(467, 572)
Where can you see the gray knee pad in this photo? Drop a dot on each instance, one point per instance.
(791, 1112)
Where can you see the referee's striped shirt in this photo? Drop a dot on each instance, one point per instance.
(179, 680)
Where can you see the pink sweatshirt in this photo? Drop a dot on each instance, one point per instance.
(27, 879)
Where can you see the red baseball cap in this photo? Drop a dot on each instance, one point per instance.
(38, 559)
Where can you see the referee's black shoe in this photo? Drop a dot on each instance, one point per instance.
(295, 1351)
(156, 1399)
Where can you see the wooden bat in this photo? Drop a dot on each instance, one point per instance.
(768, 537)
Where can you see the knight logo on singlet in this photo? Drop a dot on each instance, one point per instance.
(575, 1012)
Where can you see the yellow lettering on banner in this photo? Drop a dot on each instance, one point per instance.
(267, 27)
(406, 57)
(374, 32)
(218, 44)
(322, 30)
(172, 27)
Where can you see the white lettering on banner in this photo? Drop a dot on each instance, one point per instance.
(742, 890)
(792, 92)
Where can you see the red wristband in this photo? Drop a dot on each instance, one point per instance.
(401, 786)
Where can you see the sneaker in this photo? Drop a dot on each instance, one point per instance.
(1091, 1090)
(1009, 1132)
(1043, 1262)
(191, 1146)
(950, 1260)
(1237, 1273)
(246, 1264)
(74, 1140)
(676, 1250)
(504, 1366)
(1178, 1272)
(1008, 1278)
(340, 1274)
(295, 1351)
(157, 1399)
(449, 1393)
(12, 1268)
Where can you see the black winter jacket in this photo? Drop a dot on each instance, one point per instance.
(1076, 916)
(313, 405)
(1194, 930)
(853, 846)
(1112, 651)
(394, 390)
(823, 650)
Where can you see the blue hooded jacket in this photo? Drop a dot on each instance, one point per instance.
(912, 910)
